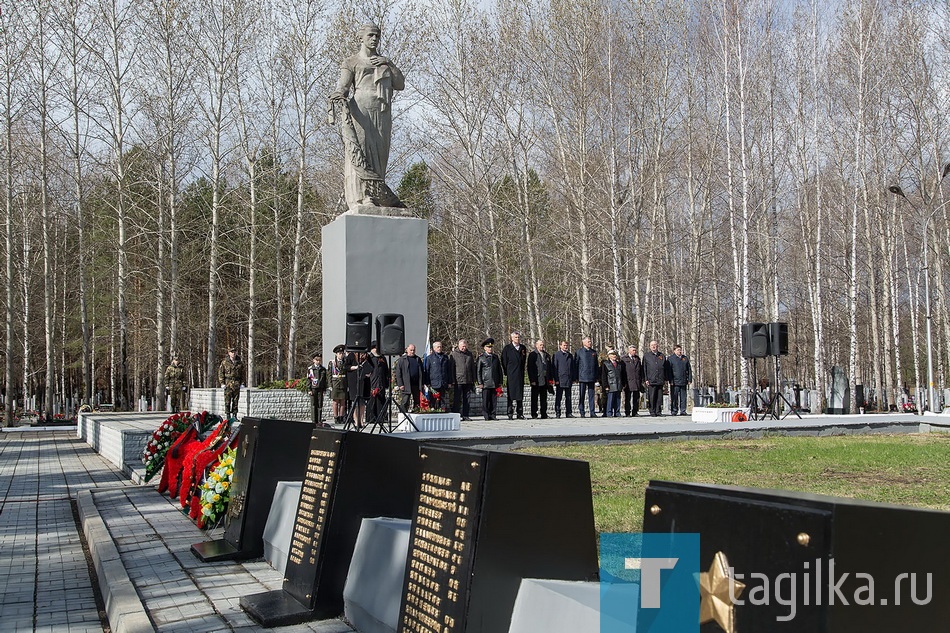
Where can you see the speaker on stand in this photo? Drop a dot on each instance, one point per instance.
(778, 347)
(359, 330)
(390, 334)
(755, 345)
(390, 341)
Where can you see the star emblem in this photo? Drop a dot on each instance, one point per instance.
(717, 593)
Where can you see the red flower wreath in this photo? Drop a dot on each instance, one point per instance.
(190, 468)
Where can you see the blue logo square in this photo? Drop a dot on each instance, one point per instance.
(649, 583)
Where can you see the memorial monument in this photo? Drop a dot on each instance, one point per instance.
(374, 255)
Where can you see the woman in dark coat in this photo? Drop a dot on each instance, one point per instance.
(357, 387)
(613, 378)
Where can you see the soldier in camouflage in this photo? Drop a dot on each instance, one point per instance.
(231, 376)
(175, 383)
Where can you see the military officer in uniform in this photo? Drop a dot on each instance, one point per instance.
(231, 377)
(175, 383)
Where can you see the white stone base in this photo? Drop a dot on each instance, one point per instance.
(556, 606)
(714, 415)
(280, 524)
(430, 422)
(373, 591)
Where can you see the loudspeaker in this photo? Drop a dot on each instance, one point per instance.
(755, 340)
(359, 329)
(778, 339)
(390, 334)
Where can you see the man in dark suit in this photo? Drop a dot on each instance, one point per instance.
(539, 373)
(654, 375)
(463, 368)
(564, 372)
(680, 375)
(440, 374)
(513, 359)
(588, 373)
(410, 376)
(631, 395)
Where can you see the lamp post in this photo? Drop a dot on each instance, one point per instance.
(896, 189)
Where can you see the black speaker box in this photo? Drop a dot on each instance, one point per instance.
(755, 340)
(390, 334)
(778, 339)
(359, 329)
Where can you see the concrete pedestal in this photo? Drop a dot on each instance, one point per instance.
(556, 606)
(376, 264)
(280, 524)
(374, 584)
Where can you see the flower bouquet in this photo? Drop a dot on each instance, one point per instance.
(157, 447)
(301, 385)
(215, 490)
(427, 406)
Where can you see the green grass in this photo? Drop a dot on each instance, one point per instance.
(903, 469)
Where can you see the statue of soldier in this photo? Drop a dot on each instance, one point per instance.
(175, 383)
(231, 377)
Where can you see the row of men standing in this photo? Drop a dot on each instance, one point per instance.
(629, 375)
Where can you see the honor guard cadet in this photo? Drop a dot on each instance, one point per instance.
(317, 377)
(175, 383)
(231, 377)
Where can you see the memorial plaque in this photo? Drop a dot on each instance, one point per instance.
(269, 451)
(812, 562)
(442, 543)
(349, 477)
(316, 495)
(482, 522)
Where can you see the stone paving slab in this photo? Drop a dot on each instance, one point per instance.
(51, 482)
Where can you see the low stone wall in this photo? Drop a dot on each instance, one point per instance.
(119, 437)
(280, 404)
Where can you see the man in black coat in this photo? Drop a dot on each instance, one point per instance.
(439, 375)
(564, 372)
(588, 373)
(410, 376)
(489, 377)
(631, 394)
(463, 364)
(539, 373)
(513, 359)
(654, 376)
(680, 375)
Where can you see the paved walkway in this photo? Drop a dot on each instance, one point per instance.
(46, 580)
(44, 574)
